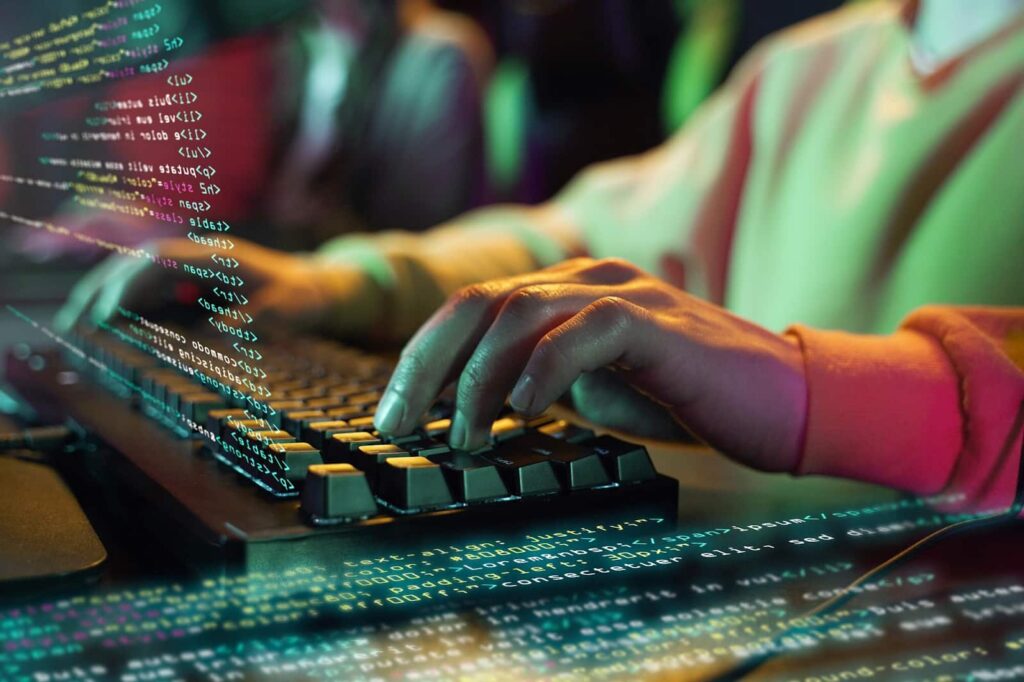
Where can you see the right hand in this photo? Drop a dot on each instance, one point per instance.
(281, 288)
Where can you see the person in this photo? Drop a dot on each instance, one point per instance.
(857, 170)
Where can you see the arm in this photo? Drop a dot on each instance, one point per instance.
(671, 211)
(937, 406)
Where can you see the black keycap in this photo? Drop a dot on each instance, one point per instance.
(294, 420)
(405, 440)
(297, 458)
(438, 428)
(341, 446)
(507, 428)
(364, 399)
(425, 447)
(215, 419)
(279, 407)
(348, 412)
(525, 473)
(369, 458)
(337, 491)
(197, 406)
(258, 443)
(625, 462)
(413, 483)
(327, 403)
(305, 394)
(171, 390)
(471, 478)
(362, 423)
(563, 430)
(576, 467)
(234, 430)
(317, 433)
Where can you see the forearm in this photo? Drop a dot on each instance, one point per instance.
(411, 274)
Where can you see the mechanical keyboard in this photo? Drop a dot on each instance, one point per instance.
(269, 463)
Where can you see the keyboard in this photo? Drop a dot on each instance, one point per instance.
(276, 461)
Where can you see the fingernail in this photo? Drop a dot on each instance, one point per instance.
(390, 412)
(523, 393)
(458, 435)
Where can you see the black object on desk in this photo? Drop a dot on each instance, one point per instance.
(45, 537)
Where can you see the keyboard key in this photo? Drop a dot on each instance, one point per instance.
(563, 430)
(525, 473)
(295, 420)
(270, 436)
(235, 429)
(413, 483)
(369, 458)
(506, 428)
(363, 423)
(337, 491)
(215, 419)
(348, 412)
(171, 390)
(297, 458)
(438, 428)
(318, 432)
(423, 446)
(471, 478)
(327, 403)
(283, 387)
(341, 446)
(305, 394)
(279, 407)
(364, 399)
(577, 467)
(196, 406)
(625, 462)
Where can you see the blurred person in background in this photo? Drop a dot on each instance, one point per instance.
(817, 274)
(331, 121)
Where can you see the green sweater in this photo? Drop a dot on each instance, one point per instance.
(827, 183)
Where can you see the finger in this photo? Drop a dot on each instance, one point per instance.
(440, 348)
(497, 361)
(604, 397)
(427, 361)
(609, 331)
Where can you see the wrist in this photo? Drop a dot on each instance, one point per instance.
(352, 303)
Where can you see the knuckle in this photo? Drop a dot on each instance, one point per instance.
(526, 300)
(412, 368)
(612, 311)
(473, 296)
(551, 352)
(615, 269)
(578, 262)
(473, 379)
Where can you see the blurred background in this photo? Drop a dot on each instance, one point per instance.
(337, 116)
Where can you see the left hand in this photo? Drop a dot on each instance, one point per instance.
(734, 384)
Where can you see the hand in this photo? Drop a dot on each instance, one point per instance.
(281, 288)
(739, 387)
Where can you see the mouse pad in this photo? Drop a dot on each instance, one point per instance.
(44, 535)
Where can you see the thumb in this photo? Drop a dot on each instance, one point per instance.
(604, 398)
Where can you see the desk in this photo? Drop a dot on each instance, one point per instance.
(750, 553)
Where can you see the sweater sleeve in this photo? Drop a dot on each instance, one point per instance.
(937, 407)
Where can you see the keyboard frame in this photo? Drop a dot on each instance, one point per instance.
(227, 520)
